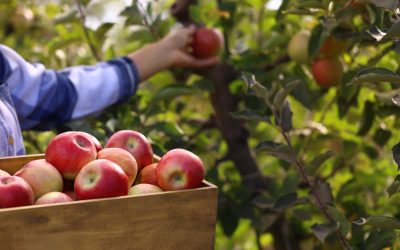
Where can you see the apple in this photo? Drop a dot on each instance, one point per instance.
(69, 152)
(123, 159)
(4, 173)
(327, 72)
(42, 176)
(179, 169)
(53, 197)
(101, 178)
(135, 143)
(144, 188)
(15, 192)
(22, 19)
(332, 47)
(207, 42)
(148, 175)
(298, 47)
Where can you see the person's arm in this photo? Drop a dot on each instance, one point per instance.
(44, 97)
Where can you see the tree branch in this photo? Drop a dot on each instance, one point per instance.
(86, 32)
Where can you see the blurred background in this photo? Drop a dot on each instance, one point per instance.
(298, 165)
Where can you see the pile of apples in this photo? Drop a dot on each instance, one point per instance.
(77, 167)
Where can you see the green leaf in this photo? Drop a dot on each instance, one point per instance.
(375, 75)
(282, 94)
(280, 151)
(380, 239)
(380, 222)
(168, 128)
(318, 36)
(314, 165)
(288, 200)
(300, 12)
(259, 90)
(324, 192)
(171, 91)
(387, 4)
(67, 17)
(396, 155)
(311, 4)
(367, 119)
(322, 231)
(382, 136)
(339, 217)
(285, 119)
(385, 35)
(394, 187)
(250, 115)
(229, 221)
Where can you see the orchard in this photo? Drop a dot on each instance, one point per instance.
(297, 124)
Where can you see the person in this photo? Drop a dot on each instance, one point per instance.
(36, 98)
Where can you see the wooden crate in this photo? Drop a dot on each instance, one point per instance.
(170, 220)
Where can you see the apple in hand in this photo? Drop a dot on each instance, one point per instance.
(144, 188)
(148, 175)
(207, 42)
(53, 197)
(15, 192)
(327, 72)
(101, 178)
(123, 159)
(135, 143)
(69, 152)
(4, 173)
(180, 169)
(41, 176)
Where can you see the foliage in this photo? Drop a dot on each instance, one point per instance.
(327, 156)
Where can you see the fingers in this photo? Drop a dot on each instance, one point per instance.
(192, 62)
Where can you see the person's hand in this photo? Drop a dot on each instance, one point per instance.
(177, 46)
(171, 51)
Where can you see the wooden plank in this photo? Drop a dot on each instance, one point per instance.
(171, 220)
(11, 164)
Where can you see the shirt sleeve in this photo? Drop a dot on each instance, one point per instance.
(44, 97)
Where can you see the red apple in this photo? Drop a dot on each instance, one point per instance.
(332, 47)
(135, 143)
(180, 169)
(4, 173)
(53, 197)
(41, 176)
(144, 188)
(327, 72)
(69, 152)
(101, 178)
(148, 175)
(207, 42)
(123, 159)
(15, 192)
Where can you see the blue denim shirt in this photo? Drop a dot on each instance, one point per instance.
(33, 97)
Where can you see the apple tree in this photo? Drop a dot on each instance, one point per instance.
(297, 124)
